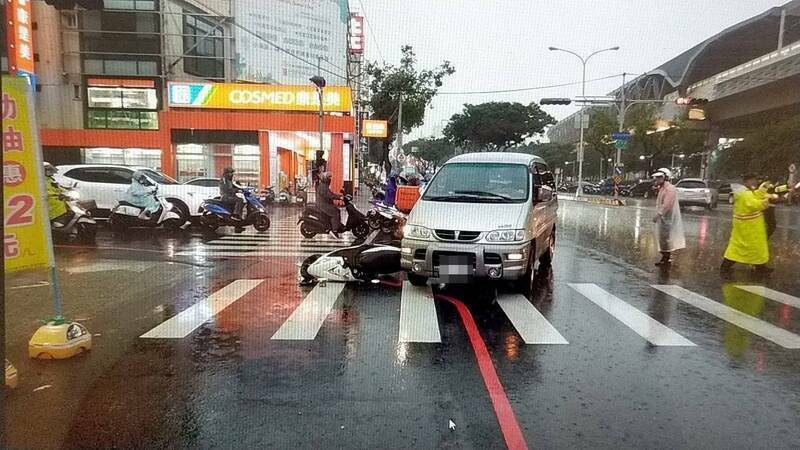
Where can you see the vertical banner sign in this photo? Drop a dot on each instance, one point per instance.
(20, 38)
(26, 237)
(356, 45)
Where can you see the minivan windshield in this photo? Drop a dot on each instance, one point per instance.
(480, 183)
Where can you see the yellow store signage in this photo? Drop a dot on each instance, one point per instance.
(26, 238)
(259, 96)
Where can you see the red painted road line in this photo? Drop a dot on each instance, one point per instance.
(502, 407)
(392, 283)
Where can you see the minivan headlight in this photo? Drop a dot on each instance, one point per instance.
(416, 232)
(506, 236)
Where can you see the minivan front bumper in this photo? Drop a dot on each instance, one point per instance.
(422, 258)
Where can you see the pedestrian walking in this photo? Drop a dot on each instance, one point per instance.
(669, 224)
(748, 242)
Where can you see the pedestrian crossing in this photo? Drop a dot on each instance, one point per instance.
(283, 239)
(419, 318)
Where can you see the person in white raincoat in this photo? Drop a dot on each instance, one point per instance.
(669, 225)
(140, 193)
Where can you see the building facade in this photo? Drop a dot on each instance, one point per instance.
(111, 86)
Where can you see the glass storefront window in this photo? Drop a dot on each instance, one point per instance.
(145, 157)
(208, 161)
(148, 120)
(123, 119)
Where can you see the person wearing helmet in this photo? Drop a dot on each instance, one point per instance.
(669, 224)
(228, 190)
(55, 193)
(325, 198)
(141, 194)
(748, 243)
(391, 188)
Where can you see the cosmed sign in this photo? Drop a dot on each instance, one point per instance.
(259, 96)
(26, 237)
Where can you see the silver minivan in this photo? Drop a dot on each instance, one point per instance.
(483, 216)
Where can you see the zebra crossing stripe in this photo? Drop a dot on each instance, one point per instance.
(531, 325)
(756, 326)
(645, 326)
(418, 319)
(185, 322)
(306, 320)
(777, 296)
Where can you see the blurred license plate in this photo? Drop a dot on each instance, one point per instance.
(455, 268)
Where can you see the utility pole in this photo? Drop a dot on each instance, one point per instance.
(618, 159)
(321, 107)
(400, 125)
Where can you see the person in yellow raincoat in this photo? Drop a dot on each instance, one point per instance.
(748, 243)
(55, 194)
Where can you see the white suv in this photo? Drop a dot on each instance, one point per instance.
(696, 192)
(106, 184)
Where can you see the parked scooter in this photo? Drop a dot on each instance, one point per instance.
(77, 223)
(215, 213)
(313, 221)
(268, 196)
(364, 262)
(385, 218)
(126, 215)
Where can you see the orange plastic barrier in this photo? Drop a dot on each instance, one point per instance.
(407, 197)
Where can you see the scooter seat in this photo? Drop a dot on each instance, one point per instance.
(124, 203)
(217, 201)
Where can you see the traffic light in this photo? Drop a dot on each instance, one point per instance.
(690, 101)
(555, 101)
(71, 4)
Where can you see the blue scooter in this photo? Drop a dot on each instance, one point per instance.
(215, 213)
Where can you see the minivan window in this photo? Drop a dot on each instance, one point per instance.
(480, 183)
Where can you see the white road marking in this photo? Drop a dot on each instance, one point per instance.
(528, 321)
(105, 265)
(185, 322)
(226, 254)
(756, 326)
(645, 326)
(771, 294)
(307, 318)
(418, 319)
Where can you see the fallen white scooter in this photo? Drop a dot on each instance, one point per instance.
(365, 262)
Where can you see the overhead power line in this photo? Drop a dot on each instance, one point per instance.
(369, 25)
(537, 88)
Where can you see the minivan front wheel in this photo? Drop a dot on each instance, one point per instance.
(524, 284)
(547, 257)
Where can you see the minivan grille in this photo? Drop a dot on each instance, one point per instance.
(450, 235)
(492, 258)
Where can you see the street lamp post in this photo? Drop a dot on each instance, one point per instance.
(579, 190)
(319, 82)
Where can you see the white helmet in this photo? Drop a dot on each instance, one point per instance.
(666, 173)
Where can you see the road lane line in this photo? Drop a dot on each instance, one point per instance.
(645, 326)
(418, 319)
(528, 321)
(188, 320)
(756, 326)
(512, 433)
(771, 294)
(306, 320)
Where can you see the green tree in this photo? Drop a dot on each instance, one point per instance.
(766, 150)
(431, 151)
(417, 87)
(603, 122)
(496, 126)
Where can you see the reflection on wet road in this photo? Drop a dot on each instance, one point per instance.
(207, 341)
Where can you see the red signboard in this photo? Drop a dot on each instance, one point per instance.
(20, 36)
(356, 34)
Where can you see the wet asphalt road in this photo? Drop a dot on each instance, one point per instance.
(227, 384)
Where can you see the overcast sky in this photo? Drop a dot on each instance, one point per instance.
(503, 44)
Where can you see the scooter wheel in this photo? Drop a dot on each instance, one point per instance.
(262, 223)
(86, 232)
(304, 268)
(173, 224)
(361, 230)
(117, 224)
(210, 222)
(374, 221)
(307, 231)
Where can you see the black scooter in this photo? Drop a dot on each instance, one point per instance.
(313, 221)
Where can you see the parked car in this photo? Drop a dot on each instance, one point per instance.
(696, 192)
(726, 191)
(483, 216)
(643, 188)
(106, 185)
(204, 182)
